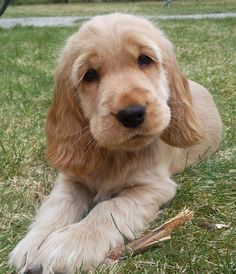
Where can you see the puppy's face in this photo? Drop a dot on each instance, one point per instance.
(120, 81)
(117, 86)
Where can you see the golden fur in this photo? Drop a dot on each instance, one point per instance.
(124, 171)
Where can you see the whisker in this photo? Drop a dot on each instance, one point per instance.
(79, 131)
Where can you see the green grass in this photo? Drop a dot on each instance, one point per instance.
(207, 52)
(146, 7)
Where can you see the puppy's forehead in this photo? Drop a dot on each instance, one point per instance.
(114, 32)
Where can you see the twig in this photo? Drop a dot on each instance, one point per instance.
(148, 240)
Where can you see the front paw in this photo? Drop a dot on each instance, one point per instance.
(74, 248)
(27, 250)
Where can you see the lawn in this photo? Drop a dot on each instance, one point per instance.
(207, 53)
(145, 7)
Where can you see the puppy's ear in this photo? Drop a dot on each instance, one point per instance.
(185, 128)
(69, 140)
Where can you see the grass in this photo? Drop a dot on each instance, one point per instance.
(145, 7)
(207, 52)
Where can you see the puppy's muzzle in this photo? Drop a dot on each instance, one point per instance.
(132, 116)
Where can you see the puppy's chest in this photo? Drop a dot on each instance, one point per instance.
(117, 174)
(105, 183)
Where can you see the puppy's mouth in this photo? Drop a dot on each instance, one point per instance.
(138, 136)
(137, 140)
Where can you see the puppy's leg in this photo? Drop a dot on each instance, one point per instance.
(65, 205)
(86, 243)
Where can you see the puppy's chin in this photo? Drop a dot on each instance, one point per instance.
(134, 143)
(128, 140)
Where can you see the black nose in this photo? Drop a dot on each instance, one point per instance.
(132, 116)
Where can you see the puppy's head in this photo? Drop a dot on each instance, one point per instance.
(118, 86)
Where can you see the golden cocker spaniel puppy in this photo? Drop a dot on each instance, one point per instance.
(122, 121)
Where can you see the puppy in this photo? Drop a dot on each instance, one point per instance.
(122, 121)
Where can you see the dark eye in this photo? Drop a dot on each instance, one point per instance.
(144, 61)
(91, 76)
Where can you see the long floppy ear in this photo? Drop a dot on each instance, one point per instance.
(185, 128)
(70, 145)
